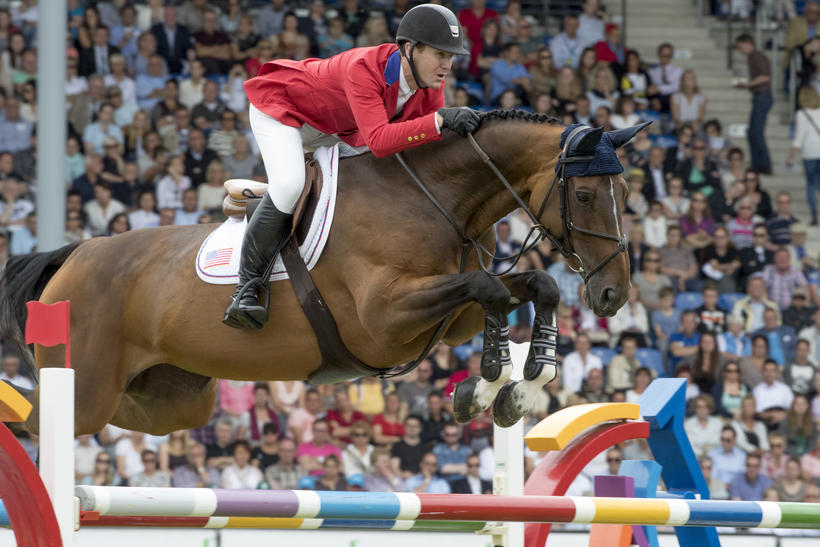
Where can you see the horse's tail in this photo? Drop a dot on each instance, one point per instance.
(24, 279)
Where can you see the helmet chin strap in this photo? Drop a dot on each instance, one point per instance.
(412, 64)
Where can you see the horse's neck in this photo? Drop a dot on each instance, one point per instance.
(466, 186)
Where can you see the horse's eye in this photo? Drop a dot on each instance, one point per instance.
(583, 197)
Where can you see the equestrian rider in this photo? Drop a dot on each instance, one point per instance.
(385, 99)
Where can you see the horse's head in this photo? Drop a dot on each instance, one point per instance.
(583, 207)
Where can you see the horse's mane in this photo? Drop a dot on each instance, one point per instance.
(518, 115)
(498, 116)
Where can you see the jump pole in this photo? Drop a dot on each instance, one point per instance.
(203, 502)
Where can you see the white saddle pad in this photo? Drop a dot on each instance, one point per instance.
(218, 259)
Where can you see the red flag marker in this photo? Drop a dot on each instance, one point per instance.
(48, 325)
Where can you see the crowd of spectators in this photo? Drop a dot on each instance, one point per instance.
(724, 292)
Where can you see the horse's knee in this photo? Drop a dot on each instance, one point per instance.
(545, 290)
(490, 292)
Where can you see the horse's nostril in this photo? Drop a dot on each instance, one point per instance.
(608, 296)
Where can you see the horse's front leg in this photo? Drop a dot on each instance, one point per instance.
(425, 301)
(516, 398)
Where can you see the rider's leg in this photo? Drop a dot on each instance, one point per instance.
(281, 148)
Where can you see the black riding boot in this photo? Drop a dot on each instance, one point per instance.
(265, 236)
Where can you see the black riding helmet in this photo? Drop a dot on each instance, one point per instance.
(431, 25)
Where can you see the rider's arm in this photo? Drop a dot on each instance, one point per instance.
(364, 95)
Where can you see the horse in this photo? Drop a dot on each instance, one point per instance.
(148, 344)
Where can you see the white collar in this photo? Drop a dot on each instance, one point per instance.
(404, 87)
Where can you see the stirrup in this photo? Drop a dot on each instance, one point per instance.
(253, 319)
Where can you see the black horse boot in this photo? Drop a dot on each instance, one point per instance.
(265, 236)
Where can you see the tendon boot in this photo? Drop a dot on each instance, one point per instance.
(267, 231)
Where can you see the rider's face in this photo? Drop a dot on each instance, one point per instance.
(432, 65)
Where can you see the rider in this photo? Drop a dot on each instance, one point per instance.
(385, 99)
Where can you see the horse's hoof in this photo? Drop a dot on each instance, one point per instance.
(506, 412)
(465, 403)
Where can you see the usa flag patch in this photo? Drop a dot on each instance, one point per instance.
(218, 257)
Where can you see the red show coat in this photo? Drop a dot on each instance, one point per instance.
(352, 94)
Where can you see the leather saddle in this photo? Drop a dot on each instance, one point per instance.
(244, 195)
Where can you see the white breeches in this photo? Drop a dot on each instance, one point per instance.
(283, 149)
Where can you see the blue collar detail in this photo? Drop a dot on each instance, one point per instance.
(392, 69)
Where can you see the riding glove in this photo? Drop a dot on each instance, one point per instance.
(462, 120)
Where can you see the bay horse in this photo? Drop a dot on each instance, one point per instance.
(147, 338)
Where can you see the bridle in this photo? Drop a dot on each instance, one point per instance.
(538, 232)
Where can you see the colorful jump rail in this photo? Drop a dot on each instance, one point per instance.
(94, 519)
(195, 502)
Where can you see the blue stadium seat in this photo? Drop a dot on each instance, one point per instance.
(604, 354)
(727, 300)
(687, 301)
(651, 359)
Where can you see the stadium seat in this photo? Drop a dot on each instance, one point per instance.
(604, 354)
(687, 301)
(727, 300)
(651, 359)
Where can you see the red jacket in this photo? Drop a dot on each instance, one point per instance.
(353, 95)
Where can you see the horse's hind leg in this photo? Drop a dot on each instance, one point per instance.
(474, 395)
(516, 398)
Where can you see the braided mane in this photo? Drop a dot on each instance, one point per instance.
(519, 115)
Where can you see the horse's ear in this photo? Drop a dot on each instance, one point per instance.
(586, 146)
(620, 137)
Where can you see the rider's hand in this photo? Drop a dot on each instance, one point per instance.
(462, 120)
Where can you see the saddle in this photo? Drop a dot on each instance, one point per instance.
(244, 195)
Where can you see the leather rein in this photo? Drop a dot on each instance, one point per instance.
(538, 231)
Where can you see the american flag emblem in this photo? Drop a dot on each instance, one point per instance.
(219, 257)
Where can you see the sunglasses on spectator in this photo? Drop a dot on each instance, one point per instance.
(614, 460)
(103, 460)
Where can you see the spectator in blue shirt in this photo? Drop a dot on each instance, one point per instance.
(15, 132)
(509, 73)
(24, 237)
(567, 280)
(335, 41)
(427, 482)
(727, 459)
(782, 338)
(749, 486)
(189, 213)
(451, 454)
(684, 342)
(150, 85)
(96, 133)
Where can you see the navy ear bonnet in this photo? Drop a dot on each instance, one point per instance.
(588, 141)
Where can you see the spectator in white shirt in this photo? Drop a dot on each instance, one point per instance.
(577, 364)
(173, 184)
(145, 216)
(665, 78)
(703, 429)
(773, 397)
(567, 46)
(11, 373)
(590, 25)
(102, 208)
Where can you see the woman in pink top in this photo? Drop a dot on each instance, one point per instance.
(811, 462)
(235, 397)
